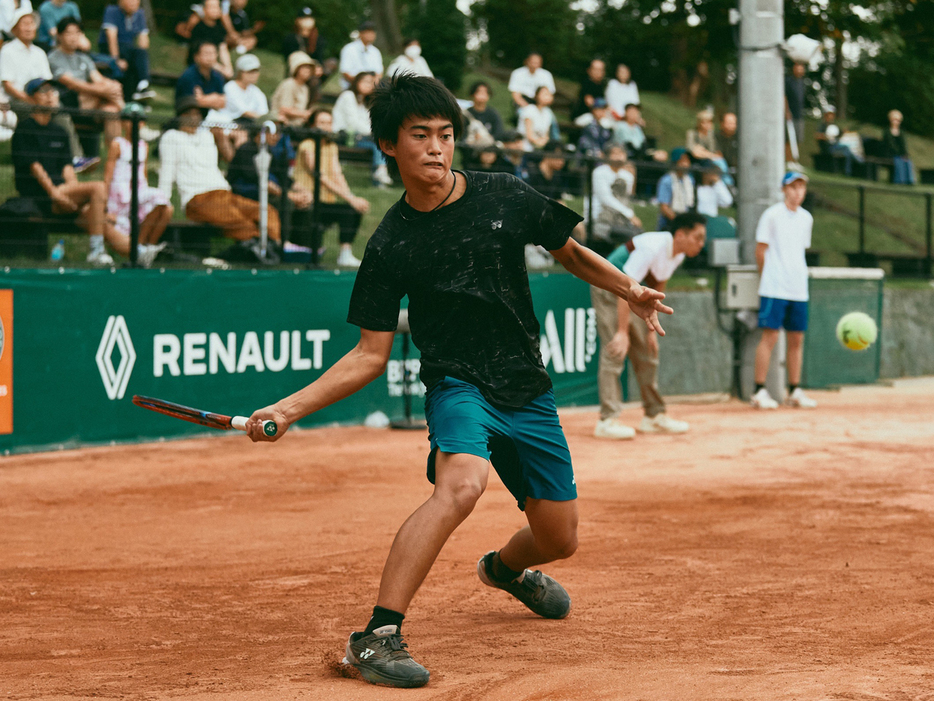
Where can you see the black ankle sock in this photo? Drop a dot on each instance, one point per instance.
(384, 617)
(758, 387)
(792, 388)
(500, 572)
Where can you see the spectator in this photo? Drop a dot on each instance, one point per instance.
(794, 111)
(675, 192)
(307, 37)
(189, 160)
(21, 61)
(352, 116)
(336, 204)
(547, 175)
(361, 56)
(525, 81)
(9, 8)
(481, 93)
(712, 193)
(241, 34)
(125, 38)
(410, 61)
(210, 28)
(43, 172)
(893, 141)
(201, 81)
(727, 140)
(155, 211)
(651, 259)
(629, 133)
(782, 237)
(509, 158)
(593, 86)
(537, 123)
(596, 135)
(702, 144)
(292, 99)
(242, 98)
(51, 12)
(828, 138)
(621, 91)
(614, 221)
(86, 87)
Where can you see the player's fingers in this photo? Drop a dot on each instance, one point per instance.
(663, 308)
(654, 324)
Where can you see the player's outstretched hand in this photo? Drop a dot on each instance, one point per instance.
(647, 303)
(254, 425)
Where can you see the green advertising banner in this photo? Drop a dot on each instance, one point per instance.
(224, 341)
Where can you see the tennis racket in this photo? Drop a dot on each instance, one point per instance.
(196, 416)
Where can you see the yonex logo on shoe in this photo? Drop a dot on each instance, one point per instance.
(498, 224)
(366, 653)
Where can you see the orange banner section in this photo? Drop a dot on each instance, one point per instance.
(6, 361)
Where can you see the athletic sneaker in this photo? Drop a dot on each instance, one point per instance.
(147, 253)
(101, 258)
(81, 164)
(381, 176)
(143, 92)
(610, 428)
(763, 400)
(382, 658)
(662, 423)
(799, 399)
(346, 259)
(538, 591)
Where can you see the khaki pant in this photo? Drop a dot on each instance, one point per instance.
(236, 215)
(644, 362)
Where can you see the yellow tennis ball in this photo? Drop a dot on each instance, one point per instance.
(857, 331)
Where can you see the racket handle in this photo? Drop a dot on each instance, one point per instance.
(269, 427)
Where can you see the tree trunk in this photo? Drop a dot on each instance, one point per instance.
(839, 78)
(388, 34)
(150, 17)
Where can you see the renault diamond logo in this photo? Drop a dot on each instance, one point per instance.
(115, 334)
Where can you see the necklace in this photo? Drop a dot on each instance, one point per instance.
(437, 206)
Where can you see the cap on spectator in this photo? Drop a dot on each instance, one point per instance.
(246, 63)
(34, 85)
(367, 26)
(511, 136)
(24, 9)
(830, 109)
(297, 59)
(554, 148)
(183, 104)
(599, 103)
(676, 154)
(793, 175)
(305, 12)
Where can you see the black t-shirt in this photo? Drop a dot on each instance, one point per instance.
(46, 145)
(588, 89)
(240, 21)
(216, 35)
(463, 269)
(490, 119)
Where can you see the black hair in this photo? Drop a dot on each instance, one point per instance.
(355, 83)
(407, 95)
(687, 221)
(481, 84)
(632, 104)
(198, 44)
(66, 22)
(310, 124)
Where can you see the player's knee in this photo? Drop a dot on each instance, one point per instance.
(460, 496)
(563, 546)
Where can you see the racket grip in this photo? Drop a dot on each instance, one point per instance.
(269, 427)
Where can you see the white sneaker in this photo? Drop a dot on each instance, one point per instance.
(381, 175)
(148, 133)
(662, 423)
(799, 399)
(146, 253)
(610, 428)
(346, 259)
(101, 258)
(763, 400)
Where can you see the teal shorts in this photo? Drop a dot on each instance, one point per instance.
(526, 446)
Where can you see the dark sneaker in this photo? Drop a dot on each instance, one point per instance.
(538, 591)
(381, 658)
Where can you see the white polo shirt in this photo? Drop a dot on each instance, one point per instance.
(20, 63)
(788, 235)
(653, 254)
(357, 58)
(524, 82)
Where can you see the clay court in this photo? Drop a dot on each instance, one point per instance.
(782, 555)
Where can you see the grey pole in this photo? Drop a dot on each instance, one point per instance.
(761, 148)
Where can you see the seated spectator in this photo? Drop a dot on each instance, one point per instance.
(702, 144)
(507, 158)
(525, 81)
(829, 137)
(629, 133)
(85, 87)
(410, 61)
(243, 103)
(189, 160)
(241, 33)
(675, 191)
(9, 8)
(307, 38)
(291, 102)
(155, 211)
(361, 56)
(51, 12)
(547, 174)
(337, 204)
(621, 91)
(592, 87)
(43, 172)
(352, 116)
(210, 28)
(537, 123)
(727, 140)
(613, 183)
(21, 61)
(481, 93)
(893, 141)
(596, 135)
(712, 193)
(125, 38)
(201, 81)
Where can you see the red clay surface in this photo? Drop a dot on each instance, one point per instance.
(781, 555)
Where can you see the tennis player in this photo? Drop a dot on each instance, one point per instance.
(454, 243)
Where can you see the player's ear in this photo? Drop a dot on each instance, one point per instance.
(387, 147)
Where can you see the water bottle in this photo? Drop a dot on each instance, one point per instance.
(58, 250)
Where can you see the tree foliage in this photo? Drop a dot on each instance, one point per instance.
(441, 29)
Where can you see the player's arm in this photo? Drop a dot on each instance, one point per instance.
(353, 372)
(596, 270)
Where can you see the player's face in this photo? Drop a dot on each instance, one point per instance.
(424, 149)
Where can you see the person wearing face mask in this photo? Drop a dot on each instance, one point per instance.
(410, 60)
